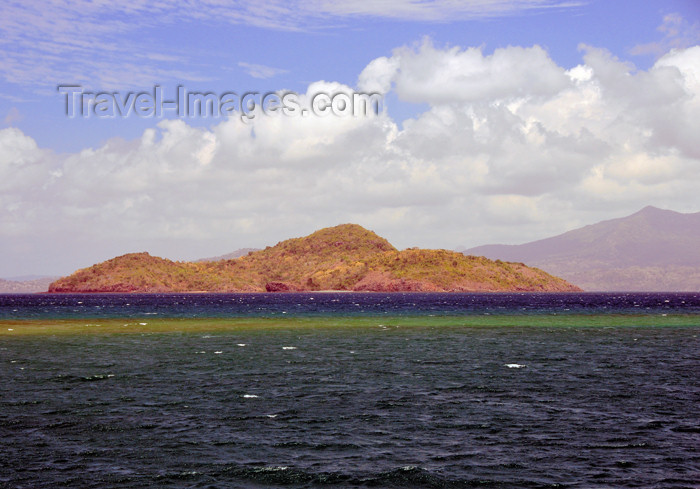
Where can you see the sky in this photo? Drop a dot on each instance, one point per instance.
(502, 121)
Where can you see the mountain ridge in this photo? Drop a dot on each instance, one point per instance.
(650, 250)
(344, 257)
(26, 286)
(229, 256)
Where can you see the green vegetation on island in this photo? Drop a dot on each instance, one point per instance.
(346, 257)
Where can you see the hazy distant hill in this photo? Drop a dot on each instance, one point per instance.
(651, 250)
(231, 256)
(25, 286)
(345, 257)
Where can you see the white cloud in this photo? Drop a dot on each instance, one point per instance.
(687, 61)
(85, 42)
(523, 159)
(446, 76)
(107, 45)
(378, 75)
(677, 32)
(433, 10)
(13, 115)
(261, 71)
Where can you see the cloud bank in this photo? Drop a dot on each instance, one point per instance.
(512, 147)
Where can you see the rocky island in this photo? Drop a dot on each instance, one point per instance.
(346, 257)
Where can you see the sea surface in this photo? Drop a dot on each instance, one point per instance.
(379, 406)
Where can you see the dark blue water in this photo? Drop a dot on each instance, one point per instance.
(52, 306)
(418, 407)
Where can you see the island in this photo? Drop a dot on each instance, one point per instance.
(347, 257)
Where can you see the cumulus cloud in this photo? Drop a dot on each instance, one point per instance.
(500, 155)
(437, 76)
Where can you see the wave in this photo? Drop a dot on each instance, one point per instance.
(400, 477)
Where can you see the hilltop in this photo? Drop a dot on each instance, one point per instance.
(650, 250)
(345, 257)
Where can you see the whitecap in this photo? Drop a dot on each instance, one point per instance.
(249, 396)
(10, 329)
(240, 344)
(514, 365)
(143, 324)
(271, 415)
(289, 347)
(218, 352)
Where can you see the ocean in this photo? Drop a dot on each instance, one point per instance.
(376, 403)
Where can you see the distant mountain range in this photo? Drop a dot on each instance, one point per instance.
(651, 250)
(25, 285)
(345, 257)
(230, 256)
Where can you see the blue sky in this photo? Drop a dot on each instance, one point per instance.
(506, 121)
(211, 53)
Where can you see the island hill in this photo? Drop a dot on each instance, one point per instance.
(346, 257)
